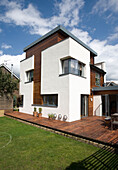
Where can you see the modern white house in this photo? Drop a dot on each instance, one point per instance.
(59, 75)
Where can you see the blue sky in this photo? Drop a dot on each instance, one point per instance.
(95, 22)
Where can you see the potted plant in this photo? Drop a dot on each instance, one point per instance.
(51, 116)
(40, 112)
(35, 112)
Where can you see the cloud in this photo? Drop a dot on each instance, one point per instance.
(1, 52)
(109, 54)
(113, 37)
(11, 59)
(0, 30)
(82, 35)
(5, 46)
(105, 5)
(68, 15)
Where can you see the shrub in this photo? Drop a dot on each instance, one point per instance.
(40, 110)
(35, 109)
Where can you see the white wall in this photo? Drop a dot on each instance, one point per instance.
(68, 87)
(51, 82)
(97, 105)
(78, 85)
(26, 89)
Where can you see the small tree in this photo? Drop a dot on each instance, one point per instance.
(7, 84)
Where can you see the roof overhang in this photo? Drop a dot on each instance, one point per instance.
(97, 69)
(3, 65)
(64, 31)
(105, 90)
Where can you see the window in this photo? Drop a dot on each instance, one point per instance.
(20, 101)
(29, 75)
(97, 79)
(50, 100)
(72, 66)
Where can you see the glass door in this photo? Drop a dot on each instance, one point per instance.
(84, 105)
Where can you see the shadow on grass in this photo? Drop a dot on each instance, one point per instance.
(104, 158)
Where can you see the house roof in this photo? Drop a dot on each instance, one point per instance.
(97, 69)
(66, 32)
(3, 65)
(111, 83)
(109, 88)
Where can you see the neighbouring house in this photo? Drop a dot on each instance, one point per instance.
(6, 103)
(60, 76)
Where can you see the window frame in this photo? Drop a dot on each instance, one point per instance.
(29, 76)
(48, 101)
(97, 79)
(74, 70)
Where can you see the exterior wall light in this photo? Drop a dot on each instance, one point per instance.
(59, 116)
(55, 115)
(64, 117)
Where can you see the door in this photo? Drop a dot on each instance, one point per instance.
(84, 105)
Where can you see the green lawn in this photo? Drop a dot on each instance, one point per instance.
(34, 148)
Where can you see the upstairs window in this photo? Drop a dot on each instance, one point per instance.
(72, 66)
(50, 100)
(97, 79)
(29, 75)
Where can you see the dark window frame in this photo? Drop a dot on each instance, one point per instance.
(50, 100)
(74, 67)
(29, 75)
(97, 79)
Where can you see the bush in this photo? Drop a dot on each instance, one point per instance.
(35, 109)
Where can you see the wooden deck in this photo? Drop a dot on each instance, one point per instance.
(92, 128)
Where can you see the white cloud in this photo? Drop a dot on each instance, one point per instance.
(11, 59)
(1, 52)
(0, 30)
(68, 14)
(105, 5)
(82, 35)
(113, 37)
(109, 54)
(5, 46)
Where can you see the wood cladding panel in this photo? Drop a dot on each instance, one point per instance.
(91, 58)
(90, 105)
(36, 51)
(92, 78)
(92, 84)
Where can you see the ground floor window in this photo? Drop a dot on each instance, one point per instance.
(109, 104)
(84, 105)
(50, 100)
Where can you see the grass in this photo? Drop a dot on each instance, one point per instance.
(34, 148)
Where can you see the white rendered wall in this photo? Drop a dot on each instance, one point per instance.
(97, 105)
(78, 85)
(26, 89)
(68, 87)
(51, 82)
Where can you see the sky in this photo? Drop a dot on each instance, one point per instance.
(95, 22)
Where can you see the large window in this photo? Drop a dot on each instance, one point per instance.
(97, 79)
(50, 100)
(72, 66)
(29, 75)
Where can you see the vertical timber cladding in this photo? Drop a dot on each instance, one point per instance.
(92, 84)
(36, 51)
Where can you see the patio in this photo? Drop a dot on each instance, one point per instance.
(91, 128)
